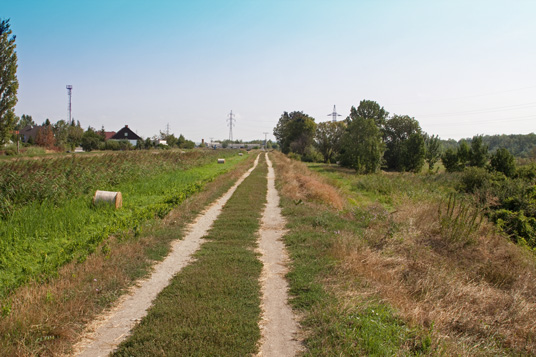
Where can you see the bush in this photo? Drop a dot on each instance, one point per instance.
(311, 154)
(294, 156)
(521, 228)
(527, 173)
(473, 179)
(503, 161)
(451, 161)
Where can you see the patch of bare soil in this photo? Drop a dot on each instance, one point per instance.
(279, 327)
(111, 328)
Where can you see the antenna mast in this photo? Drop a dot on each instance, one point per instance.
(231, 120)
(334, 115)
(69, 89)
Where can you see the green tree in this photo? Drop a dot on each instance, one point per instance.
(478, 156)
(464, 154)
(361, 144)
(451, 160)
(433, 151)
(369, 109)
(188, 144)
(61, 133)
(414, 151)
(294, 132)
(91, 139)
(180, 141)
(503, 161)
(171, 140)
(404, 144)
(328, 138)
(24, 121)
(8, 81)
(74, 135)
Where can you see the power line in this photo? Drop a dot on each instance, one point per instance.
(467, 96)
(486, 121)
(481, 111)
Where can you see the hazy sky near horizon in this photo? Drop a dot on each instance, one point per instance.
(460, 68)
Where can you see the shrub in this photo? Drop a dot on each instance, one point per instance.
(294, 156)
(474, 178)
(311, 154)
(450, 161)
(527, 173)
(503, 161)
(519, 227)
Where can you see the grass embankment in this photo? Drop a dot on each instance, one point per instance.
(212, 306)
(400, 270)
(336, 321)
(45, 318)
(48, 216)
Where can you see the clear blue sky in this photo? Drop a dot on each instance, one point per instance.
(459, 67)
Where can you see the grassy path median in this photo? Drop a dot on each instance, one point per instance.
(212, 306)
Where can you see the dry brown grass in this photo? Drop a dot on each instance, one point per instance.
(46, 319)
(302, 184)
(477, 296)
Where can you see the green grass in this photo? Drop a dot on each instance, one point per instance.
(333, 325)
(372, 330)
(42, 235)
(386, 188)
(212, 307)
(44, 319)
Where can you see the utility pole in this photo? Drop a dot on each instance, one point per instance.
(231, 120)
(265, 139)
(167, 129)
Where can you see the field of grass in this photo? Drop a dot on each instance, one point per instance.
(48, 217)
(44, 318)
(336, 320)
(212, 307)
(438, 281)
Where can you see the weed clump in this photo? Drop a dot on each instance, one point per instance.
(302, 184)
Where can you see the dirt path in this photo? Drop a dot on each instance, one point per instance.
(278, 325)
(113, 327)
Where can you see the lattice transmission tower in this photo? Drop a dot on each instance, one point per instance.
(334, 115)
(231, 121)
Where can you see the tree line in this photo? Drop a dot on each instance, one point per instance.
(367, 140)
(522, 146)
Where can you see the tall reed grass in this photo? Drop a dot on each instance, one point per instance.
(49, 219)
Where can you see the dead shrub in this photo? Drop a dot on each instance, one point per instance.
(303, 184)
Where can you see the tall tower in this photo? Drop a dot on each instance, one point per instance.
(69, 90)
(231, 121)
(334, 115)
